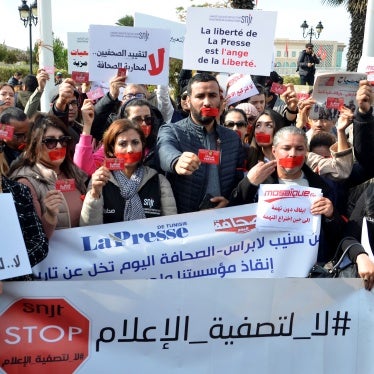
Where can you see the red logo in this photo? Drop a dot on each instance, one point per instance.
(236, 224)
(43, 336)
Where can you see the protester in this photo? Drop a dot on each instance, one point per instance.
(47, 169)
(192, 179)
(7, 96)
(290, 151)
(132, 192)
(15, 79)
(59, 78)
(29, 85)
(236, 120)
(16, 118)
(306, 65)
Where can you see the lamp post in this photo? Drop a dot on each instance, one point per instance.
(311, 32)
(29, 16)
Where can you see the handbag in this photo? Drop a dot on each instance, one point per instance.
(335, 268)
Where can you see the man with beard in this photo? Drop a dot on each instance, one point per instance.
(202, 160)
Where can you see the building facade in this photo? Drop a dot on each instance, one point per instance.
(287, 51)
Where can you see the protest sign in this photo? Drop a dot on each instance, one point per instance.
(78, 48)
(287, 208)
(215, 243)
(337, 85)
(179, 326)
(14, 260)
(177, 31)
(229, 40)
(144, 52)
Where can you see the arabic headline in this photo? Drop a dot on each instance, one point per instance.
(218, 243)
(194, 330)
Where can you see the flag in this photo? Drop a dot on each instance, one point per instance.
(322, 53)
(286, 50)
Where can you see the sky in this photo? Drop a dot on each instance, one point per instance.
(77, 15)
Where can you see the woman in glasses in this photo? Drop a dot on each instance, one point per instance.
(236, 119)
(125, 189)
(56, 183)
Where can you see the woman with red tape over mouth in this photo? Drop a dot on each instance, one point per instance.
(46, 167)
(124, 189)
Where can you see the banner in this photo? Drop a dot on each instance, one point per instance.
(205, 326)
(78, 48)
(215, 243)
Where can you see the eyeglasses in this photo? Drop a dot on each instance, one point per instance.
(134, 96)
(51, 143)
(139, 120)
(231, 124)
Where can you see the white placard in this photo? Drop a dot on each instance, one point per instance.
(14, 260)
(78, 49)
(229, 40)
(177, 30)
(144, 52)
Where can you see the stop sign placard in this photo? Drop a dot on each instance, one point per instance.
(43, 336)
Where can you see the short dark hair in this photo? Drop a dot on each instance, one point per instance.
(12, 113)
(309, 45)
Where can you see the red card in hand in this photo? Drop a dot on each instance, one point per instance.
(114, 163)
(334, 102)
(6, 132)
(278, 88)
(80, 76)
(121, 72)
(65, 185)
(208, 156)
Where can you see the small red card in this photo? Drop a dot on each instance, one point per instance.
(370, 77)
(208, 156)
(334, 102)
(95, 94)
(278, 88)
(6, 132)
(80, 76)
(114, 163)
(65, 185)
(121, 72)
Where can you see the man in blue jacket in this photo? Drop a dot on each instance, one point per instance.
(202, 160)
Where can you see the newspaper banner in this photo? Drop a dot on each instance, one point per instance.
(287, 208)
(331, 86)
(177, 30)
(216, 243)
(229, 40)
(77, 51)
(143, 52)
(14, 260)
(206, 326)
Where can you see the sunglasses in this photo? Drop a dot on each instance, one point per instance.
(231, 124)
(51, 143)
(139, 120)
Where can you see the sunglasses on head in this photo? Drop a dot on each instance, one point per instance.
(231, 124)
(51, 143)
(139, 120)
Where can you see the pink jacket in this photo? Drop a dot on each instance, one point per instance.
(85, 157)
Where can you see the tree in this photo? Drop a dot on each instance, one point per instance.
(60, 54)
(126, 21)
(357, 10)
(242, 4)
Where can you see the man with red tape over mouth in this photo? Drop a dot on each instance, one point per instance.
(16, 118)
(202, 159)
(290, 147)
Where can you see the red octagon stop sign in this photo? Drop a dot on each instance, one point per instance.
(43, 336)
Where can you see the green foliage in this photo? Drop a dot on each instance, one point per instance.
(295, 79)
(126, 21)
(60, 54)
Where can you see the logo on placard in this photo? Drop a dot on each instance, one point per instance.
(239, 225)
(43, 336)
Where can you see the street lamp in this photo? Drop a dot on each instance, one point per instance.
(29, 16)
(311, 31)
